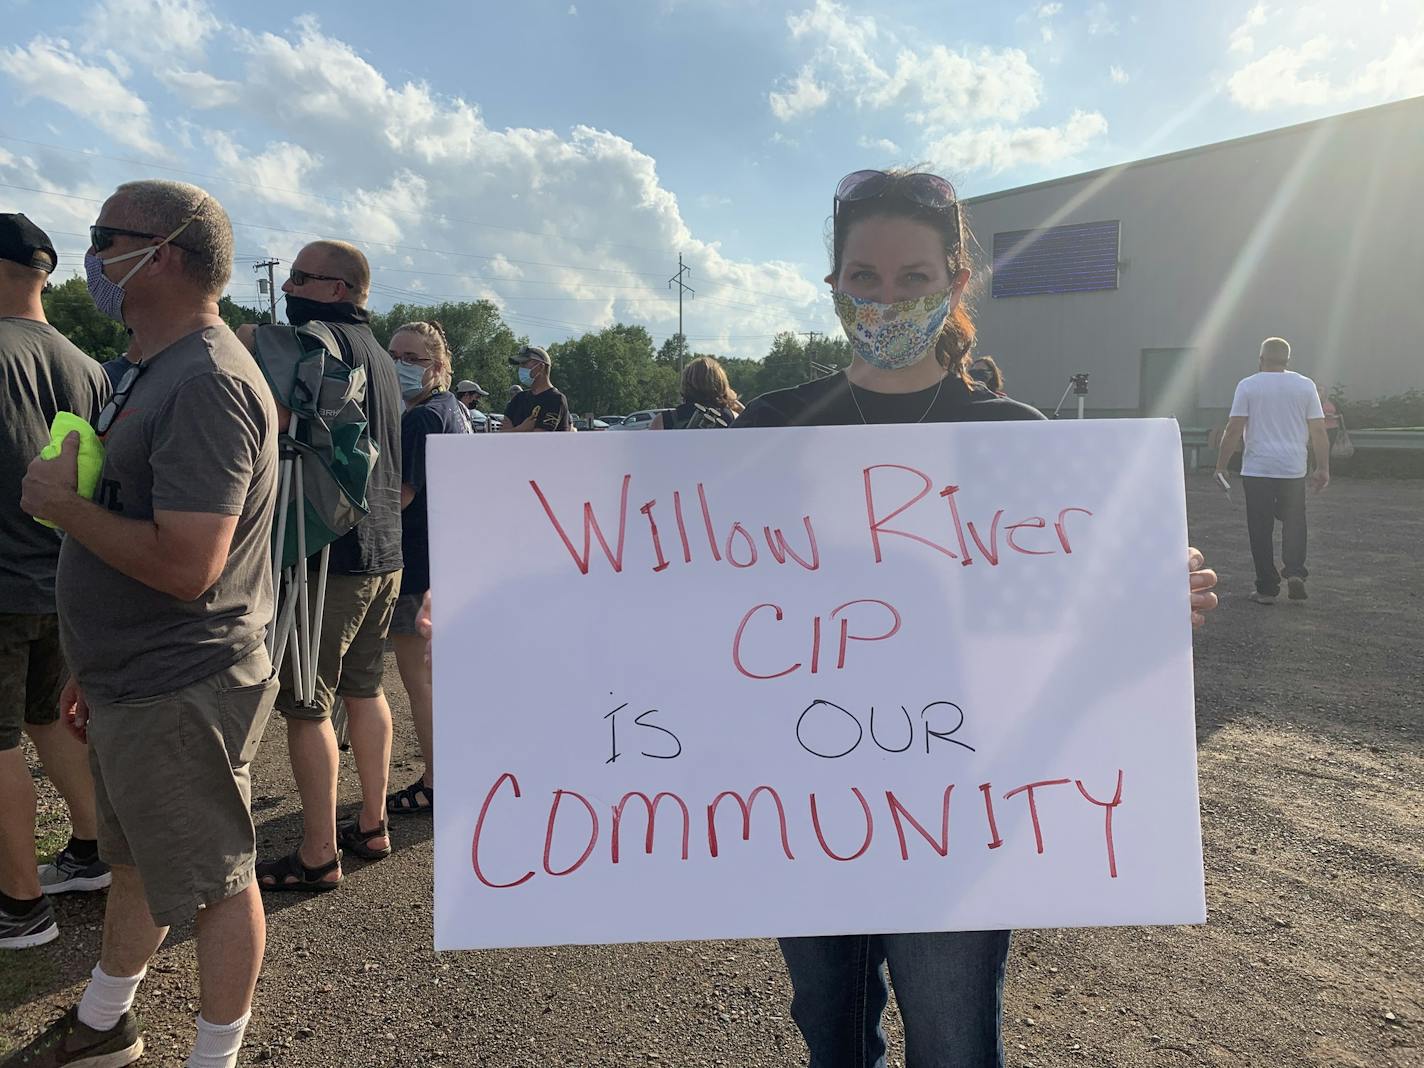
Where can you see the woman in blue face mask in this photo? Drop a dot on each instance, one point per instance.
(899, 275)
(422, 356)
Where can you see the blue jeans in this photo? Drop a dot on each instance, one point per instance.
(950, 988)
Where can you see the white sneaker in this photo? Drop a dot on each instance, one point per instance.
(1264, 598)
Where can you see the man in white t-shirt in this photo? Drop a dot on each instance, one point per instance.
(1276, 411)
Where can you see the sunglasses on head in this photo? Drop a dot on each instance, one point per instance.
(926, 190)
(929, 190)
(119, 398)
(298, 277)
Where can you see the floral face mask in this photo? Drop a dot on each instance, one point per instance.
(892, 336)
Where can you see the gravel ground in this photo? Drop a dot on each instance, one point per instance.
(1312, 776)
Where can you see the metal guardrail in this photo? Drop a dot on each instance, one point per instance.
(1410, 438)
(1196, 447)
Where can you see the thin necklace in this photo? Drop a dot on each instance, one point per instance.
(865, 422)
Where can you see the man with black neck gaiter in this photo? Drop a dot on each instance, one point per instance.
(329, 283)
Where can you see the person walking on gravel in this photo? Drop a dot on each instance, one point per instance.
(164, 593)
(1276, 411)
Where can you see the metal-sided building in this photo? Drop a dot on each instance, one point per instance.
(1160, 278)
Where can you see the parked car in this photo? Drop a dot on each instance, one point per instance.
(581, 423)
(640, 420)
(613, 420)
(496, 421)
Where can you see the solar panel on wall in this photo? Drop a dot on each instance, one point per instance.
(1059, 259)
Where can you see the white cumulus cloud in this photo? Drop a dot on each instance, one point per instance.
(141, 29)
(48, 68)
(199, 89)
(1100, 20)
(1298, 75)
(967, 100)
(1118, 75)
(1325, 56)
(277, 174)
(1242, 39)
(883, 145)
(802, 97)
(997, 148)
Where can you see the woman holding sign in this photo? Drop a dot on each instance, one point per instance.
(898, 277)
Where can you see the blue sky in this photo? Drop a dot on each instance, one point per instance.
(556, 157)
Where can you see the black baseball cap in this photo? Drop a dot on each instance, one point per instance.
(22, 242)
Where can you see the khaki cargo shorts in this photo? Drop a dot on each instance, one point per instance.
(32, 673)
(352, 658)
(173, 788)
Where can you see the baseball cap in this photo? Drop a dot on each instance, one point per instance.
(466, 386)
(22, 242)
(531, 352)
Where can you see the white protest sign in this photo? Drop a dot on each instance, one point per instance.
(865, 679)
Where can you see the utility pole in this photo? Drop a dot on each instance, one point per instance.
(682, 288)
(811, 337)
(271, 285)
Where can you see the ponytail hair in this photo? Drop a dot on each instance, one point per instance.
(956, 342)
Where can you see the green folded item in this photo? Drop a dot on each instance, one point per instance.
(91, 453)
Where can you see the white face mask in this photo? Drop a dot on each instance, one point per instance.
(526, 376)
(411, 377)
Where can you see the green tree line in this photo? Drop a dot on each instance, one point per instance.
(612, 371)
(70, 310)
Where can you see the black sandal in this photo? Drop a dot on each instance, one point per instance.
(290, 874)
(407, 802)
(350, 838)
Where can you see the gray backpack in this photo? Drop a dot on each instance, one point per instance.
(326, 395)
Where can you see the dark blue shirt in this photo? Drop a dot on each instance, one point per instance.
(441, 413)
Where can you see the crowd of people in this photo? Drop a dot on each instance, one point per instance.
(138, 641)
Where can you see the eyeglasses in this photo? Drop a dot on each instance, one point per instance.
(101, 237)
(299, 277)
(119, 399)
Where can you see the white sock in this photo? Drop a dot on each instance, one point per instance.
(218, 1044)
(106, 998)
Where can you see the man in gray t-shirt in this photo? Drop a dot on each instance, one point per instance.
(164, 595)
(41, 374)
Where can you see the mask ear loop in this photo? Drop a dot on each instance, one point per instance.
(152, 251)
